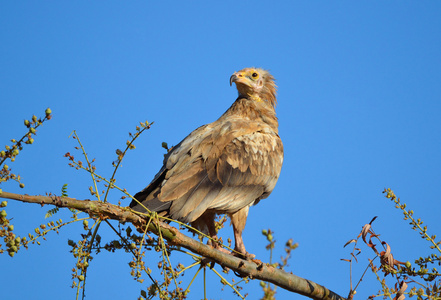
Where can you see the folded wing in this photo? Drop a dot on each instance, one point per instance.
(220, 167)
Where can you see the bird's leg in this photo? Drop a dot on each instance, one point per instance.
(239, 245)
(208, 219)
(213, 234)
(238, 220)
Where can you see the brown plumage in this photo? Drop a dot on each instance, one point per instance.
(223, 167)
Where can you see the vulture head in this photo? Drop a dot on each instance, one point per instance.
(256, 84)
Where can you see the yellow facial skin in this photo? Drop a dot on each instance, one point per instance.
(250, 83)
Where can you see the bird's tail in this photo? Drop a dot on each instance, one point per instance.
(153, 205)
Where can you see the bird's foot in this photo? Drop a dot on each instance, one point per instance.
(217, 246)
(223, 250)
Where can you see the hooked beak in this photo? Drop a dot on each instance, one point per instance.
(233, 78)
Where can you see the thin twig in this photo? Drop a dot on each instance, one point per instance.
(263, 272)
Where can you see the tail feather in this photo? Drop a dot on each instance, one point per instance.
(152, 205)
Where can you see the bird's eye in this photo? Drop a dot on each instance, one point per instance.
(255, 75)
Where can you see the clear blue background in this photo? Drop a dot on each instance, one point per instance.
(359, 110)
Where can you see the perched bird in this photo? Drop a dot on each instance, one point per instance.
(223, 167)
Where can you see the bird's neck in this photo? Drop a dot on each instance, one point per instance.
(255, 109)
(255, 98)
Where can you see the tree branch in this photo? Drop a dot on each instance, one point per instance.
(261, 271)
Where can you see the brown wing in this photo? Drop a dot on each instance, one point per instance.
(219, 167)
(181, 152)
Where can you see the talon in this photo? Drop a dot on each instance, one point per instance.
(223, 250)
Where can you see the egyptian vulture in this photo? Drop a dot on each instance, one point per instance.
(223, 167)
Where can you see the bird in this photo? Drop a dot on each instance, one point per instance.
(223, 167)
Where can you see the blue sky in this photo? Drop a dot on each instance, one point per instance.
(359, 110)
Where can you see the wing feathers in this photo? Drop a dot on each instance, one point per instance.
(222, 167)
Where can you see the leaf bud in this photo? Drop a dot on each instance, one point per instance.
(3, 213)
(27, 123)
(34, 118)
(4, 204)
(48, 111)
(264, 232)
(11, 253)
(22, 185)
(81, 278)
(11, 227)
